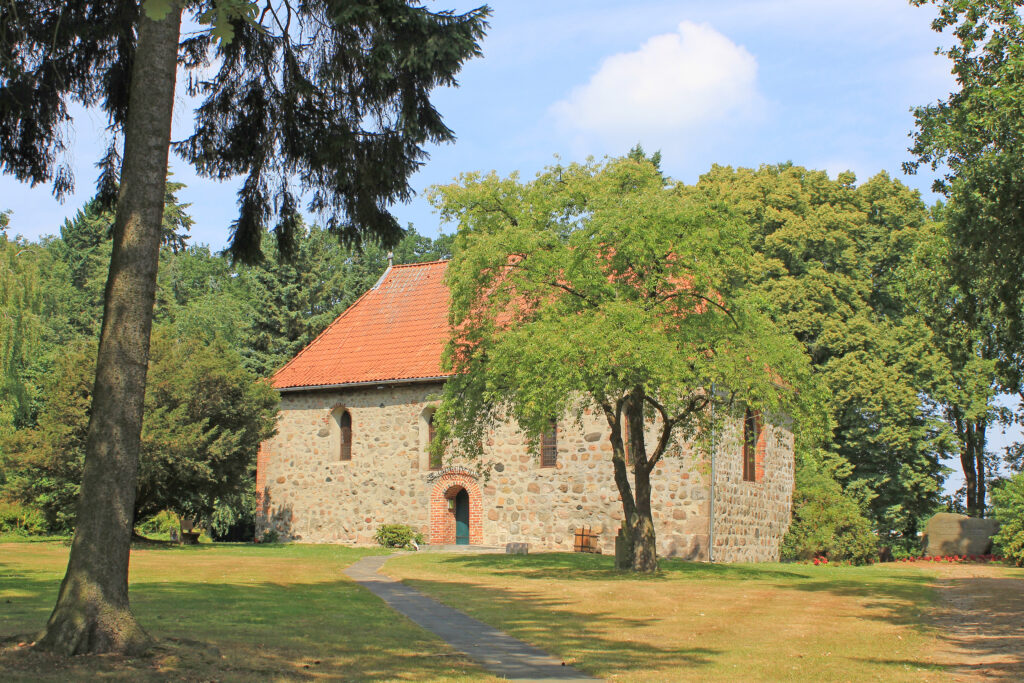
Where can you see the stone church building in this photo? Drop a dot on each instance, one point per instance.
(350, 453)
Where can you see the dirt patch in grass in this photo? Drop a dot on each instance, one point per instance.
(228, 613)
(698, 622)
(980, 621)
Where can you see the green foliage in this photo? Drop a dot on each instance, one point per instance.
(976, 136)
(21, 520)
(607, 286)
(44, 463)
(345, 109)
(204, 419)
(159, 525)
(826, 521)
(834, 260)
(1008, 508)
(397, 536)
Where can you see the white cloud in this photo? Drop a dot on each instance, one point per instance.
(676, 83)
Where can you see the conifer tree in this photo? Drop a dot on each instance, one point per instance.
(334, 93)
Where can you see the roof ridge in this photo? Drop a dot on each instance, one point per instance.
(421, 263)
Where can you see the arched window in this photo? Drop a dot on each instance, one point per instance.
(549, 446)
(345, 440)
(751, 433)
(435, 460)
(625, 443)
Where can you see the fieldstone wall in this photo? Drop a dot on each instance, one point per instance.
(309, 494)
(751, 517)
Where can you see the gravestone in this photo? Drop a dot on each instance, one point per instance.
(948, 533)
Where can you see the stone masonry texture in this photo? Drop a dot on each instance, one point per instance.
(309, 494)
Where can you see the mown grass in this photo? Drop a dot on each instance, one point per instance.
(229, 613)
(693, 621)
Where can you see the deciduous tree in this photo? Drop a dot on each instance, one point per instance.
(607, 286)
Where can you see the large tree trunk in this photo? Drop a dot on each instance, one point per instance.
(980, 440)
(92, 613)
(972, 460)
(645, 555)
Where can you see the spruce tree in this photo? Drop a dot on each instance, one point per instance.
(333, 93)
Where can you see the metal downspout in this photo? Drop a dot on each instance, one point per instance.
(711, 511)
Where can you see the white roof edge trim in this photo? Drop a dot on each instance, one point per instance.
(380, 382)
(381, 278)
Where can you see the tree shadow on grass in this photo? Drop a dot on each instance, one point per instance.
(227, 631)
(981, 618)
(597, 641)
(590, 567)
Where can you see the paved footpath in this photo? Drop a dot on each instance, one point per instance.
(499, 653)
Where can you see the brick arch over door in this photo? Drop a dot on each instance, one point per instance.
(442, 520)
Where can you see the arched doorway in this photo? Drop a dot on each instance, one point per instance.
(462, 518)
(455, 508)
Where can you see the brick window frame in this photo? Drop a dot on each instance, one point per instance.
(549, 446)
(433, 463)
(753, 446)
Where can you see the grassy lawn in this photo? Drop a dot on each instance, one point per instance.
(695, 621)
(229, 613)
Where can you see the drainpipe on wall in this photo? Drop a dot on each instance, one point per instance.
(711, 511)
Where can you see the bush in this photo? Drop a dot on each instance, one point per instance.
(397, 536)
(161, 524)
(1008, 508)
(827, 523)
(18, 519)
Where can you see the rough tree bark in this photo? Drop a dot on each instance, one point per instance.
(972, 435)
(92, 614)
(645, 553)
(638, 522)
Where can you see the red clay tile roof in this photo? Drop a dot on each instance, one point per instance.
(396, 331)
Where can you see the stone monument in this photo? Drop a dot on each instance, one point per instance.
(948, 533)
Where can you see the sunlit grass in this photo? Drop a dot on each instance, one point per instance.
(697, 621)
(230, 613)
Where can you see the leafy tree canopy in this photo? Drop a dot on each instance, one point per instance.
(977, 135)
(836, 260)
(205, 417)
(607, 286)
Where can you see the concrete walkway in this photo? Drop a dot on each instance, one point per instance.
(499, 653)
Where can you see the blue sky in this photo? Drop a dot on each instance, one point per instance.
(740, 82)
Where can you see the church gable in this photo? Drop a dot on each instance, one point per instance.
(396, 331)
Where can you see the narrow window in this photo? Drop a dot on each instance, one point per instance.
(435, 460)
(625, 444)
(345, 424)
(750, 436)
(549, 446)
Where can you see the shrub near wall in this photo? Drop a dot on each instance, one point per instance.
(1008, 508)
(397, 536)
(827, 523)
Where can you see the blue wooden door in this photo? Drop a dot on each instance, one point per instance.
(462, 518)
